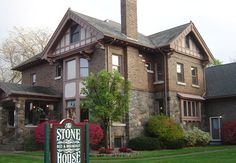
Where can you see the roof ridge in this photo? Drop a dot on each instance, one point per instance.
(221, 65)
(153, 35)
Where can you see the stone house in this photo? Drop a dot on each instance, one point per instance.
(220, 97)
(166, 71)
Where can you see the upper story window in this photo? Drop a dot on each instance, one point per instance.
(194, 75)
(84, 67)
(33, 79)
(75, 33)
(58, 71)
(180, 72)
(187, 42)
(71, 69)
(116, 60)
(159, 73)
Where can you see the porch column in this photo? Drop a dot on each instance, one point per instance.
(20, 118)
(1, 126)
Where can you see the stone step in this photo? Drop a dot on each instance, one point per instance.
(7, 147)
(215, 143)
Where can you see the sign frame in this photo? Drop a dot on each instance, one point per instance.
(62, 124)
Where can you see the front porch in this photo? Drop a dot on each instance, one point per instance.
(22, 108)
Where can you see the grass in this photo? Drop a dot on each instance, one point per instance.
(213, 154)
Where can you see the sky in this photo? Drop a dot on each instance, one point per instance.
(214, 19)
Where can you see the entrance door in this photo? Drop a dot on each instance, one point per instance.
(215, 128)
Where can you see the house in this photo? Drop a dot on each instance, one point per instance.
(220, 97)
(166, 71)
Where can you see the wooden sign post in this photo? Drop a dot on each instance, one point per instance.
(69, 142)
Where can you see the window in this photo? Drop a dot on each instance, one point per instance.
(191, 110)
(71, 69)
(33, 79)
(74, 33)
(116, 63)
(70, 104)
(159, 73)
(84, 69)
(194, 76)
(11, 116)
(180, 72)
(36, 111)
(187, 42)
(58, 71)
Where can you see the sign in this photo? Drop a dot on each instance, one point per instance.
(68, 142)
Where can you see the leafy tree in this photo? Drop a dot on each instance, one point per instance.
(216, 62)
(107, 98)
(20, 45)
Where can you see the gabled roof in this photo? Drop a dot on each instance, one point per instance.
(113, 29)
(166, 37)
(21, 89)
(25, 64)
(221, 81)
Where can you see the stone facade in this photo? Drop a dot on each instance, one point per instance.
(142, 106)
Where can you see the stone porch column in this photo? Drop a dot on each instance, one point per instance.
(20, 119)
(1, 118)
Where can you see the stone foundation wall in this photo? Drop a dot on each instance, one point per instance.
(174, 106)
(142, 106)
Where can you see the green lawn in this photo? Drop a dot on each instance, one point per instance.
(226, 154)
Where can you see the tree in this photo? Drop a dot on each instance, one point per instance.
(216, 62)
(107, 98)
(20, 45)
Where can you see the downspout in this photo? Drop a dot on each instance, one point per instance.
(165, 80)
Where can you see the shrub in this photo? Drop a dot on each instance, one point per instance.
(144, 143)
(164, 128)
(125, 150)
(105, 150)
(30, 144)
(196, 137)
(174, 144)
(39, 132)
(229, 132)
(95, 134)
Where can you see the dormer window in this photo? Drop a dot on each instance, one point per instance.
(75, 33)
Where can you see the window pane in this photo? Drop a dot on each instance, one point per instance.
(71, 69)
(185, 108)
(148, 65)
(189, 109)
(75, 33)
(179, 69)
(193, 109)
(58, 71)
(115, 60)
(84, 72)
(70, 104)
(83, 62)
(197, 107)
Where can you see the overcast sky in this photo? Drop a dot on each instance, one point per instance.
(215, 19)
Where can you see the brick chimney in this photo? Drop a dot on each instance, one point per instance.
(129, 18)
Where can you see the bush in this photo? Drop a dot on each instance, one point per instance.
(144, 143)
(196, 137)
(105, 150)
(125, 150)
(164, 128)
(95, 134)
(175, 144)
(39, 132)
(229, 132)
(31, 145)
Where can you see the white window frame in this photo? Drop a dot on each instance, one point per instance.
(219, 121)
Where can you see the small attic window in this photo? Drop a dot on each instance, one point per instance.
(75, 33)
(187, 42)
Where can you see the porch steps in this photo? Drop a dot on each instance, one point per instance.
(215, 143)
(7, 147)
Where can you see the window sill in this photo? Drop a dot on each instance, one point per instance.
(57, 78)
(150, 71)
(30, 126)
(195, 86)
(118, 124)
(158, 82)
(181, 83)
